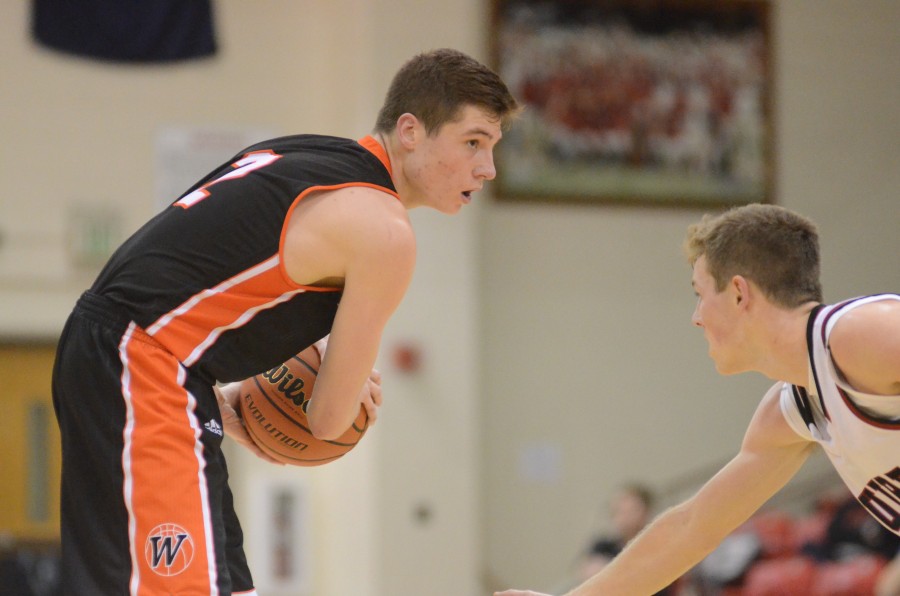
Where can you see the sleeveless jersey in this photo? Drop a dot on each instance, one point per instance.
(864, 449)
(205, 277)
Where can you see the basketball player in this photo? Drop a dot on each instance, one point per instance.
(292, 240)
(837, 367)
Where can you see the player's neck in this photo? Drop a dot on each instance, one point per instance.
(786, 357)
(398, 175)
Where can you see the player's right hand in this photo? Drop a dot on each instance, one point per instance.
(228, 397)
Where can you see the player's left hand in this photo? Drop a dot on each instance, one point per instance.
(228, 396)
(370, 397)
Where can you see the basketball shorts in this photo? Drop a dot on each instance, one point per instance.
(146, 507)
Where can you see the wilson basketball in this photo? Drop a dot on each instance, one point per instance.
(273, 405)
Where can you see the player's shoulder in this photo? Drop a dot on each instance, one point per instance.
(867, 316)
(865, 344)
(770, 404)
(367, 204)
(368, 217)
(770, 427)
(866, 325)
(386, 222)
(771, 401)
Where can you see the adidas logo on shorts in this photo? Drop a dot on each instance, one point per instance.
(213, 427)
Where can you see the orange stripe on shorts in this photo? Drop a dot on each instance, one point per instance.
(170, 533)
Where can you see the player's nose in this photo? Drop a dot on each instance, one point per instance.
(486, 170)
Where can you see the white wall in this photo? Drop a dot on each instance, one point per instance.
(547, 331)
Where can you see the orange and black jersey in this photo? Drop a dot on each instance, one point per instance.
(205, 277)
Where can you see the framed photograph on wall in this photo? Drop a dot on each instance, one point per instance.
(664, 102)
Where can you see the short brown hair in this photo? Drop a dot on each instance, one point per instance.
(434, 86)
(775, 248)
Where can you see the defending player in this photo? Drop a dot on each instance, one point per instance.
(756, 275)
(292, 240)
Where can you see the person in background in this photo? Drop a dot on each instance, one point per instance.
(630, 510)
(851, 532)
(836, 369)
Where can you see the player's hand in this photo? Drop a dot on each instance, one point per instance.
(228, 396)
(370, 397)
(321, 346)
(520, 593)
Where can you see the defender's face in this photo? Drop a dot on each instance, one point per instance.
(449, 166)
(715, 313)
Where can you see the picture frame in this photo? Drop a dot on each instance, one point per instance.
(652, 102)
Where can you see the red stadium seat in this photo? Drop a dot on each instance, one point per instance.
(776, 533)
(855, 577)
(810, 529)
(778, 577)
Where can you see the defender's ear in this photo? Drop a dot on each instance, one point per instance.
(741, 289)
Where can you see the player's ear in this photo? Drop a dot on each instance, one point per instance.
(408, 130)
(741, 288)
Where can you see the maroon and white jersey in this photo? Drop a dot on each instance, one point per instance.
(859, 432)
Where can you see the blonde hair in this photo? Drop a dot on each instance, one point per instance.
(772, 246)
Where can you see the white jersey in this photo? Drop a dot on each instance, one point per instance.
(863, 445)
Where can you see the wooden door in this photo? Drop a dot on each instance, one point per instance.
(29, 444)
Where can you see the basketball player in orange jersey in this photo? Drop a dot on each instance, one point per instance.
(292, 240)
(837, 367)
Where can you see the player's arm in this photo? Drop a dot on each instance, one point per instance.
(682, 536)
(371, 395)
(865, 345)
(363, 236)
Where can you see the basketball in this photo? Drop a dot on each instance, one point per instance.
(273, 406)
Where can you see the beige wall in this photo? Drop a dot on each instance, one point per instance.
(81, 134)
(589, 355)
(545, 330)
